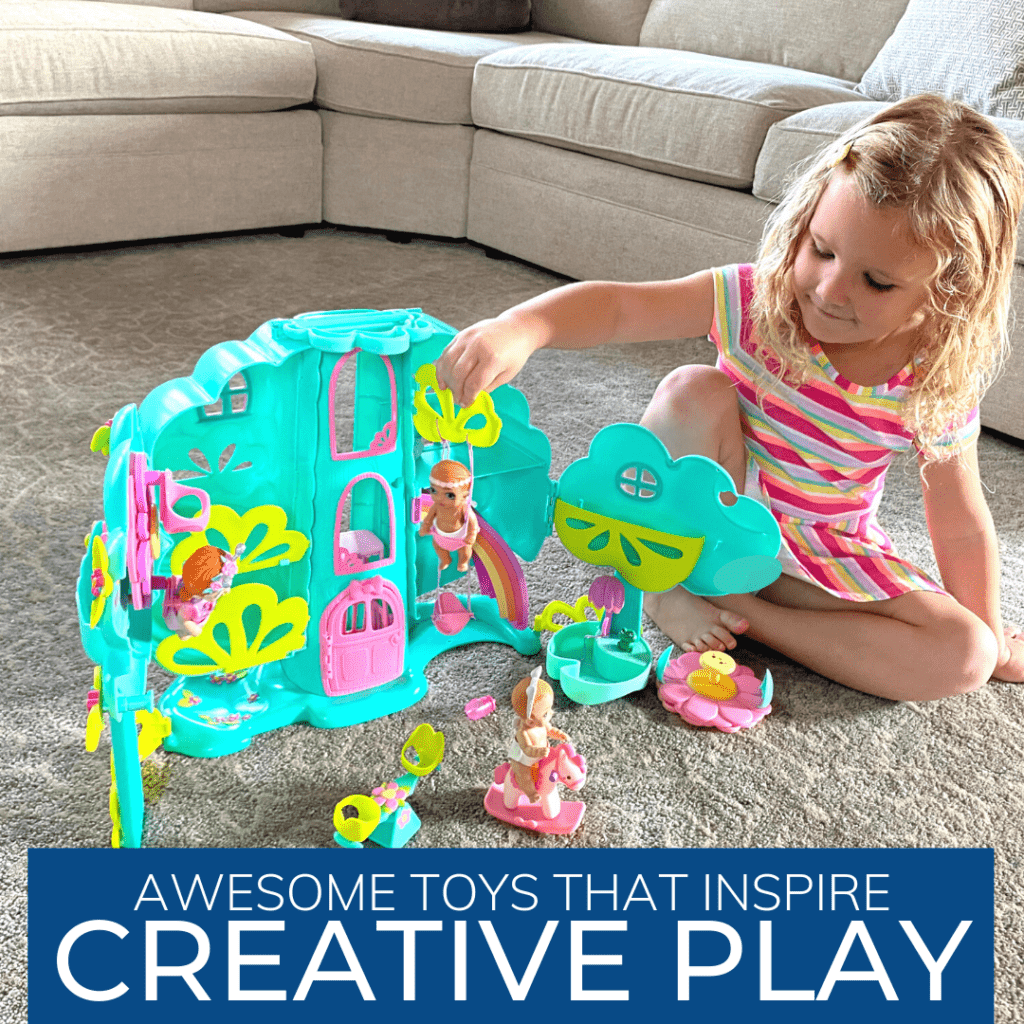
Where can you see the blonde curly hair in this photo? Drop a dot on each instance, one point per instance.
(961, 184)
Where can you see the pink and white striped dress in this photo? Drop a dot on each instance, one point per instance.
(817, 457)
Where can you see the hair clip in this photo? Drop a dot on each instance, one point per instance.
(841, 155)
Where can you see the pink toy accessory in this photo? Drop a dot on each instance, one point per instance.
(608, 593)
(480, 707)
(450, 615)
(549, 813)
(144, 514)
(390, 796)
(710, 689)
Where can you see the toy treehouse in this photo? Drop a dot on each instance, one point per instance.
(271, 521)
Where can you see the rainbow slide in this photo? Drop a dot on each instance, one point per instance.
(500, 575)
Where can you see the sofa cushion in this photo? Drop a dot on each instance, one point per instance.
(327, 7)
(685, 114)
(797, 139)
(590, 218)
(965, 50)
(831, 37)
(80, 179)
(183, 5)
(442, 15)
(599, 21)
(85, 57)
(388, 71)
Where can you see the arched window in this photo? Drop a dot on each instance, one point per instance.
(364, 526)
(363, 406)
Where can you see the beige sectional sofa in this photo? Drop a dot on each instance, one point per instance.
(615, 138)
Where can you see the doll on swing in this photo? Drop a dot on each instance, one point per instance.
(450, 519)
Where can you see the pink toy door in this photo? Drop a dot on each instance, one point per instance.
(362, 637)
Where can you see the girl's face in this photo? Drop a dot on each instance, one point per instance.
(858, 279)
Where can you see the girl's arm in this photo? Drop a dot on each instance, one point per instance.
(575, 316)
(966, 550)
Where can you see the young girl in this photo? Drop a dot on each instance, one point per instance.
(871, 324)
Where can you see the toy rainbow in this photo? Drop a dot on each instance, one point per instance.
(500, 576)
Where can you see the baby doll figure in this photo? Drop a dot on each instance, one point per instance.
(532, 701)
(450, 519)
(205, 578)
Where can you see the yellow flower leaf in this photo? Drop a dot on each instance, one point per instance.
(114, 807)
(237, 529)
(240, 653)
(93, 728)
(100, 562)
(100, 441)
(650, 560)
(155, 728)
(449, 426)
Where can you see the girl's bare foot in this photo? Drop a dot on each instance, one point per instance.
(1010, 667)
(693, 623)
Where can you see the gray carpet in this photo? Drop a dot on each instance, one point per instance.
(83, 333)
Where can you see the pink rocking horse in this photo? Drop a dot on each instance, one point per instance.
(549, 813)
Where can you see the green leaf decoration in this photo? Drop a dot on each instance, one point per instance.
(275, 543)
(648, 559)
(449, 425)
(100, 441)
(226, 645)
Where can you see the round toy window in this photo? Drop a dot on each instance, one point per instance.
(639, 481)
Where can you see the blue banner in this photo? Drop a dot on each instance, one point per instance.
(785, 935)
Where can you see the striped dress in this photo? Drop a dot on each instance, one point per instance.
(817, 457)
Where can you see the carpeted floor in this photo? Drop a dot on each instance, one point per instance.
(83, 333)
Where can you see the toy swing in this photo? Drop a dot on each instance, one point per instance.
(450, 615)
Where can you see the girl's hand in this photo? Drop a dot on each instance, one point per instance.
(1010, 667)
(483, 357)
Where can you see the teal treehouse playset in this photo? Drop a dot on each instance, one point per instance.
(283, 483)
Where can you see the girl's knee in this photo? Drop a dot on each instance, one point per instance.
(967, 653)
(695, 390)
(695, 412)
(980, 655)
